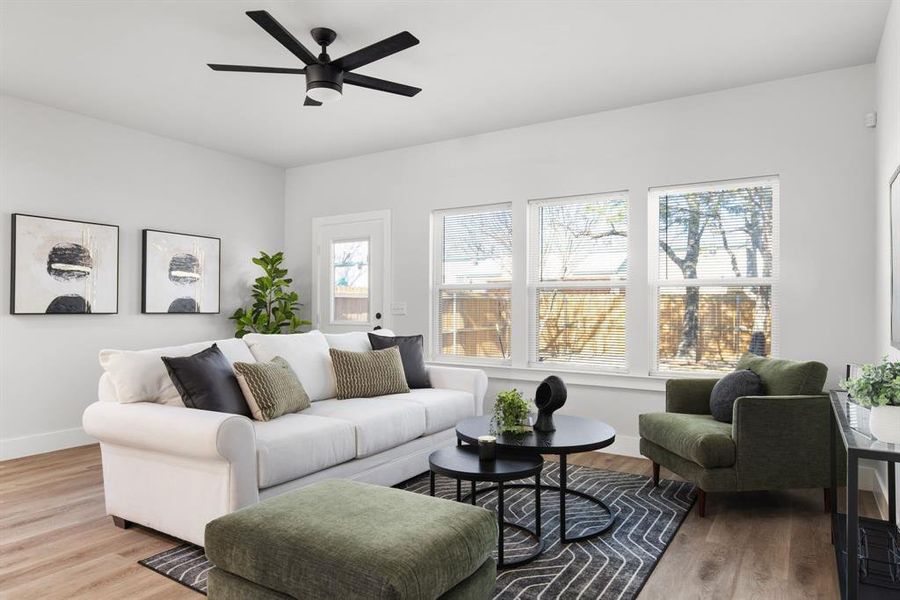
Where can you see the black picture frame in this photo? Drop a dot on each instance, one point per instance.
(14, 224)
(144, 281)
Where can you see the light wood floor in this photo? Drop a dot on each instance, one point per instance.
(57, 542)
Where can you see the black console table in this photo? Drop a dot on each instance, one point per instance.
(867, 550)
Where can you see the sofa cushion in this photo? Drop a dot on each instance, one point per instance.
(381, 422)
(346, 539)
(786, 377)
(698, 438)
(141, 376)
(307, 353)
(206, 381)
(728, 389)
(412, 353)
(354, 341)
(271, 389)
(443, 408)
(368, 374)
(297, 444)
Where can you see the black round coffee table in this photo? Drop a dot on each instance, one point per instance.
(573, 434)
(462, 463)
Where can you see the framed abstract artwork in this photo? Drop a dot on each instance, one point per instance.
(894, 191)
(60, 266)
(180, 273)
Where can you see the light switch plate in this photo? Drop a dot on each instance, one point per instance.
(398, 308)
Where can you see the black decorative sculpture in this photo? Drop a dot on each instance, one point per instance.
(550, 395)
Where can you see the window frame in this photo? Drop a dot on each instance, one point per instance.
(656, 283)
(438, 285)
(533, 282)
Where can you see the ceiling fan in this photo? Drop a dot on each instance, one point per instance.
(325, 78)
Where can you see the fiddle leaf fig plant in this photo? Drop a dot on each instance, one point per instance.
(275, 305)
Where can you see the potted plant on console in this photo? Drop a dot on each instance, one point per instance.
(878, 387)
(275, 305)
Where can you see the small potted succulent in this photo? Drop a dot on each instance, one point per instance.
(878, 387)
(511, 412)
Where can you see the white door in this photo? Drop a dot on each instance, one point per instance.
(351, 275)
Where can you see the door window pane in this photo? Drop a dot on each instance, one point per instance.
(350, 272)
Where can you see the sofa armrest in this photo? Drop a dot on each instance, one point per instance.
(689, 396)
(473, 381)
(782, 441)
(172, 430)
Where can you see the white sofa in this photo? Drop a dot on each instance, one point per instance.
(174, 469)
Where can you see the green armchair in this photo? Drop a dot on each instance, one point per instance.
(776, 441)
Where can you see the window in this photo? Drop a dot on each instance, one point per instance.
(350, 281)
(473, 278)
(714, 275)
(579, 272)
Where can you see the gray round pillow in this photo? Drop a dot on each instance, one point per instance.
(730, 388)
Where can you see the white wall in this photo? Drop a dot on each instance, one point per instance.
(887, 102)
(809, 130)
(61, 164)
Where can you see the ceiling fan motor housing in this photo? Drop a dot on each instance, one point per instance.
(324, 76)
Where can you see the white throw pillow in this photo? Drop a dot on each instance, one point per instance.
(141, 375)
(355, 341)
(307, 353)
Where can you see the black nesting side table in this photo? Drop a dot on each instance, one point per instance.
(573, 434)
(462, 463)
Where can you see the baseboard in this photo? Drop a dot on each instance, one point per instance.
(625, 445)
(39, 443)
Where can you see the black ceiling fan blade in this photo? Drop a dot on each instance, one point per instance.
(249, 69)
(284, 37)
(310, 102)
(376, 51)
(382, 85)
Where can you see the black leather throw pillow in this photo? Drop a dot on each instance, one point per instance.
(730, 388)
(412, 354)
(206, 381)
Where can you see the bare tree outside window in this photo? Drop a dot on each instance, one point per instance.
(718, 238)
(578, 286)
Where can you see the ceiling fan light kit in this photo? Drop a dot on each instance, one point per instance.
(325, 78)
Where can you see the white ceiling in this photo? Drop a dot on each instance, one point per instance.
(483, 66)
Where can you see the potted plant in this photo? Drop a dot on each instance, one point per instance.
(878, 387)
(275, 306)
(511, 412)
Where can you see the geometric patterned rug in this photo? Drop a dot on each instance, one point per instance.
(614, 565)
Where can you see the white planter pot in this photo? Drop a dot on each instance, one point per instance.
(884, 422)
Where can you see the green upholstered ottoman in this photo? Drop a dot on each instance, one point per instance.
(345, 539)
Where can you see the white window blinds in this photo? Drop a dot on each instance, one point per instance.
(577, 280)
(473, 276)
(716, 274)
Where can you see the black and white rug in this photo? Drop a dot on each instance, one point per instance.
(614, 565)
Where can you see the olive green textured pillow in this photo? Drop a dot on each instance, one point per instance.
(367, 374)
(271, 389)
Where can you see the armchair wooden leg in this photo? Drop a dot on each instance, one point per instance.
(121, 523)
(655, 474)
(701, 503)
